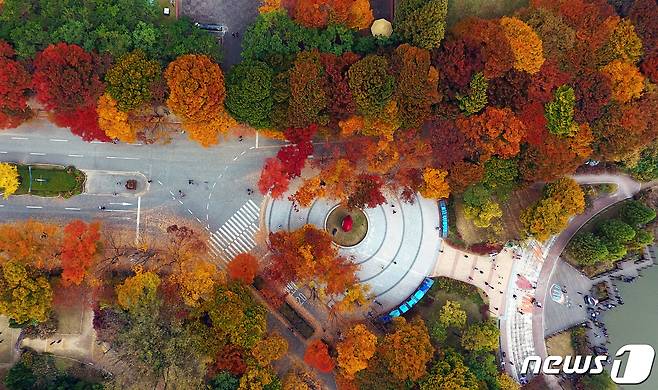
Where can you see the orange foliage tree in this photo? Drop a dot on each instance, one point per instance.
(626, 80)
(113, 121)
(407, 350)
(197, 95)
(354, 351)
(196, 280)
(243, 267)
(319, 13)
(435, 185)
(497, 131)
(79, 248)
(317, 356)
(31, 243)
(495, 47)
(525, 44)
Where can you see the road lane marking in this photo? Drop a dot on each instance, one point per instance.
(235, 158)
(97, 142)
(207, 206)
(121, 158)
(75, 155)
(34, 207)
(21, 138)
(189, 211)
(1, 205)
(139, 208)
(210, 195)
(59, 140)
(120, 211)
(72, 208)
(180, 201)
(197, 218)
(3, 152)
(37, 154)
(123, 204)
(243, 152)
(159, 182)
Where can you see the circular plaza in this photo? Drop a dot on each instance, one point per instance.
(398, 250)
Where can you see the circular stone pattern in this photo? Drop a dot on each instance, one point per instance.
(333, 226)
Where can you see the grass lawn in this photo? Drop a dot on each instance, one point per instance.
(459, 9)
(560, 344)
(50, 181)
(172, 11)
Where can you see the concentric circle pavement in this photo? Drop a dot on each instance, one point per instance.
(400, 249)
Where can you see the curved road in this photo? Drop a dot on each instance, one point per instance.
(551, 251)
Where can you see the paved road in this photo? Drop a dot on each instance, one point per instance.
(523, 334)
(220, 175)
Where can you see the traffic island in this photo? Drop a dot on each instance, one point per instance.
(50, 180)
(348, 227)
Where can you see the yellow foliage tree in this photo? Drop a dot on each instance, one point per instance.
(24, 298)
(435, 185)
(274, 347)
(269, 6)
(351, 125)
(626, 80)
(624, 44)
(484, 214)
(8, 179)
(525, 43)
(196, 279)
(113, 121)
(407, 350)
(355, 350)
(137, 290)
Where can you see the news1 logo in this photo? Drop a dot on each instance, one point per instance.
(638, 364)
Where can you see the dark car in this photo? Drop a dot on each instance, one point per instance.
(590, 300)
(220, 28)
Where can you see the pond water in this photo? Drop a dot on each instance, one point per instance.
(636, 322)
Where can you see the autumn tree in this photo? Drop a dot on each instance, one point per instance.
(273, 178)
(293, 156)
(67, 78)
(24, 296)
(458, 60)
(636, 213)
(494, 132)
(200, 108)
(492, 40)
(509, 90)
(559, 112)
(138, 290)
(15, 83)
(196, 279)
(476, 99)
(446, 142)
(407, 350)
(415, 89)
(82, 122)
(525, 44)
(271, 348)
(592, 91)
(317, 356)
(9, 179)
(307, 91)
(367, 192)
(481, 336)
(557, 37)
(450, 373)
(463, 174)
(354, 351)
(371, 84)
(623, 44)
(130, 79)
(626, 81)
(243, 267)
(249, 93)
(421, 22)
(435, 185)
(360, 15)
(341, 103)
(114, 122)
(32, 243)
(452, 315)
(80, 246)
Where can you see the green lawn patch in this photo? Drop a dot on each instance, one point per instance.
(50, 181)
(359, 226)
(487, 9)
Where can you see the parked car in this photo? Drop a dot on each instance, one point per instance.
(219, 28)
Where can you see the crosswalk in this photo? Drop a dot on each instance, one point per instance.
(237, 234)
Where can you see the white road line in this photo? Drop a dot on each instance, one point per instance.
(210, 195)
(180, 201)
(243, 152)
(21, 138)
(121, 211)
(97, 142)
(235, 158)
(37, 154)
(214, 184)
(72, 208)
(1, 205)
(75, 155)
(59, 140)
(197, 218)
(159, 182)
(207, 206)
(139, 208)
(172, 194)
(190, 211)
(135, 144)
(121, 158)
(34, 207)
(123, 204)
(3, 152)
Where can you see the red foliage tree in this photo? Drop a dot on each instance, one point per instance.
(593, 92)
(495, 132)
(535, 121)
(273, 178)
(495, 48)
(643, 14)
(78, 250)
(243, 267)
(447, 143)
(67, 78)
(543, 83)
(341, 104)
(317, 356)
(230, 358)
(6, 50)
(549, 160)
(293, 157)
(463, 174)
(15, 83)
(457, 61)
(649, 68)
(367, 192)
(509, 90)
(83, 122)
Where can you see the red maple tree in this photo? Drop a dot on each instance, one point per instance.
(317, 356)
(243, 267)
(78, 250)
(273, 178)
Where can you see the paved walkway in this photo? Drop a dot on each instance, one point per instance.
(490, 273)
(400, 249)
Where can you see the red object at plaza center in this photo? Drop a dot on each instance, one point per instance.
(347, 223)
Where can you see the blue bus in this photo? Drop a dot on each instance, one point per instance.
(409, 302)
